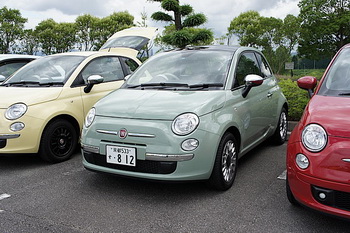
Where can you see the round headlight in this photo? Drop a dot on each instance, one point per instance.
(15, 111)
(185, 124)
(314, 138)
(90, 117)
(302, 161)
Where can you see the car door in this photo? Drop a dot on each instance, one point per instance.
(251, 108)
(110, 69)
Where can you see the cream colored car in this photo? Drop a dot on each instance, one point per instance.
(43, 105)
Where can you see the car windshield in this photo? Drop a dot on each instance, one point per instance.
(50, 70)
(337, 80)
(183, 70)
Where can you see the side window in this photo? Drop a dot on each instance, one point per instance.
(107, 67)
(9, 68)
(265, 68)
(247, 64)
(130, 65)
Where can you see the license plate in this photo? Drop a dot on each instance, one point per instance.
(121, 155)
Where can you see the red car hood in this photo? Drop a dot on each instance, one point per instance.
(333, 113)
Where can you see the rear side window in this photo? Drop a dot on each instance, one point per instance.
(129, 64)
(265, 68)
(247, 64)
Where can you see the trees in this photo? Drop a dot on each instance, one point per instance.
(275, 37)
(11, 28)
(325, 27)
(183, 29)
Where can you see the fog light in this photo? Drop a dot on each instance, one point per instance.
(302, 161)
(322, 196)
(190, 144)
(17, 126)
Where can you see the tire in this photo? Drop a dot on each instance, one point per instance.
(280, 135)
(58, 141)
(290, 195)
(225, 165)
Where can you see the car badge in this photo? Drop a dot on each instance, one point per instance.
(123, 133)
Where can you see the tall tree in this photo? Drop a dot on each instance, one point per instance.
(111, 24)
(325, 27)
(183, 29)
(45, 32)
(29, 42)
(86, 29)
(11, 28)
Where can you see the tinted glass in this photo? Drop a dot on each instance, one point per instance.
(50, 69)
(337, 80)
(9, 68)
(247, 64)
(186, 67)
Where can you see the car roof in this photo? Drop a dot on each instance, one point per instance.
(16, 56)
(212, 47)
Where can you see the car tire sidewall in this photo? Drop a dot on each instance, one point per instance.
(46, 152)
(216, 179)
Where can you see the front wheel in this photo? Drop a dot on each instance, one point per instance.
(58, 142)
(280, 135)
(225, 166)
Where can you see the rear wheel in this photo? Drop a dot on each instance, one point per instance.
(280, 135)
(58, 142)
(225, 166)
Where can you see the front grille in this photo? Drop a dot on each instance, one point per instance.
(144, 166)
(333, 198)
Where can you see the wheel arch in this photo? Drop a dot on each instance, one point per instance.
(68, 118)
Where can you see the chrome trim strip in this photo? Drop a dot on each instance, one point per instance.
(346, 160)
(106, 132)
(164, 157)
(9, 136)
(91, 149)
(139, 135)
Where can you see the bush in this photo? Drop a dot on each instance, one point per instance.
(297, 98)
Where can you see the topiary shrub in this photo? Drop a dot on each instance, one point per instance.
(297, 98)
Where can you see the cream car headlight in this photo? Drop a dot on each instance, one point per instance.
(90, 117)
(314, 138)
(185, 124)
(15, 111)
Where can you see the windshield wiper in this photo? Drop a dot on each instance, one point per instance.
(206, 85)
(163, 85)
(51, 84)
(21, 83)
(344, 93)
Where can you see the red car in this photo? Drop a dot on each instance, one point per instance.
(318, 152)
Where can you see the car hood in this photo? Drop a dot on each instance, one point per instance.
(330, 112)
(27, 95)
(160, 105)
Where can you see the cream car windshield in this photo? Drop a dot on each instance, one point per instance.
(47, 71)
(183, 70)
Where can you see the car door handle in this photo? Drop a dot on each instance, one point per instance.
(269, 95)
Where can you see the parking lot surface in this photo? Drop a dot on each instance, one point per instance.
(40, 197)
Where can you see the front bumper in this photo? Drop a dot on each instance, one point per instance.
(325, 184)
(25, 141)
(159, 153)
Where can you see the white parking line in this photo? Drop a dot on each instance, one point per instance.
(283, 175)
(2, 197)
(5, 195)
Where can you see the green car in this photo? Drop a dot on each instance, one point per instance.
(187, 114)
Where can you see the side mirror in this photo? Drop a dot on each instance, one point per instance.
(307, 83)
(92, 80)
(251, 80)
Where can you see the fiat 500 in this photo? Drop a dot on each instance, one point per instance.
(43, 105)
(187, 114)
(318, 159)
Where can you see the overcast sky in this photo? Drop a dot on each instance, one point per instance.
(219, 12)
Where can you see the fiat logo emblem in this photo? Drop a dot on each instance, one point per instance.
(123, 133)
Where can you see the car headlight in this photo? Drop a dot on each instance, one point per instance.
(90, 117)
(314, 138)
(185, 124)
(15, 111)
